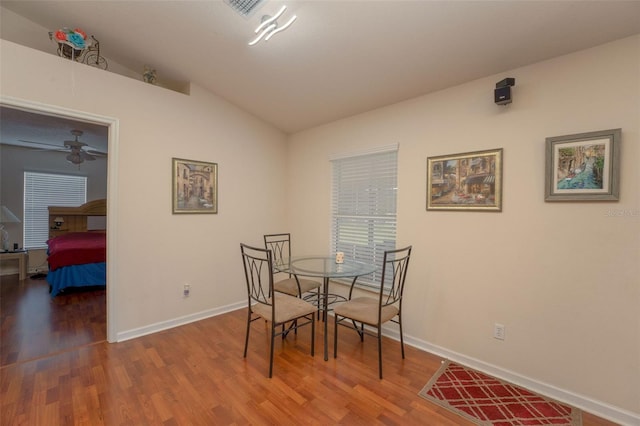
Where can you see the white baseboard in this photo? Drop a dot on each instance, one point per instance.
(176, 322)
(599, 408)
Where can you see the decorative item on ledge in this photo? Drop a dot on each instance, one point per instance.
(73, 44)
(149, 75)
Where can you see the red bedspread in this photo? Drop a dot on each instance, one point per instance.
(77, 248)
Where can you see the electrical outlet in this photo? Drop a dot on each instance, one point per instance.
(187, 290)
(498, 331)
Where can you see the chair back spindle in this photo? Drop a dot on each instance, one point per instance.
(257, 269)
(394, 274)
(280, 246)
(288, 283)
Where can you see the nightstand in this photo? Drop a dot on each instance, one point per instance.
(22, 256)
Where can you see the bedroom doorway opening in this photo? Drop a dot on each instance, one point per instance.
(57, 118)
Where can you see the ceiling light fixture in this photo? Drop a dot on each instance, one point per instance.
(282, 28)
(266, 20)
(266, 30)
(269, 26)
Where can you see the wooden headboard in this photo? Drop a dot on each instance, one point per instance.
(75, 218)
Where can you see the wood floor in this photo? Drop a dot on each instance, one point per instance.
(57, 369)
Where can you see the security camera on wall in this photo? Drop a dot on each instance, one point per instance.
(502, 93)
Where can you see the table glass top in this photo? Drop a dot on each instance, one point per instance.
(323, 266)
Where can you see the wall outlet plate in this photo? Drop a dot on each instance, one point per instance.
(498, 331)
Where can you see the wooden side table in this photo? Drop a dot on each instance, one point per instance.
(22, 256)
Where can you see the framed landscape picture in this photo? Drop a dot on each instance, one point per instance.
(583, 167)
(469, 181)
(195, 186)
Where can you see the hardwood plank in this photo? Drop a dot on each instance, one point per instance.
(36, 325)
(196, 374)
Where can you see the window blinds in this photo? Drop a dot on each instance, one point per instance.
(42, 190)
(364, 208)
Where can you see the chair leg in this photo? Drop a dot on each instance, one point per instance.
(401, 337)
(380, 350)
(313, 334)
(246, 340)
(335, 336)
(273, 333)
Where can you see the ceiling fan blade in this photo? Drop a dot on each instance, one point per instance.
(46, 146)
(77, 152)
(95, 152)
(86, 156)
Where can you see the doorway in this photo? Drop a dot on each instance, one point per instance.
(53, 111)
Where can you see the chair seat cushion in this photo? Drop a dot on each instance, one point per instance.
(287, 308)
(289, 286)
(365, 310)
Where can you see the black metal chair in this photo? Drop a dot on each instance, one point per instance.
(280, 246)
(375, 312)
(276, 308)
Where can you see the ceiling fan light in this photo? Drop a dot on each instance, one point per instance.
(74, 158)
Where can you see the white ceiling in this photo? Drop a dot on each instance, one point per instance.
(339, 58)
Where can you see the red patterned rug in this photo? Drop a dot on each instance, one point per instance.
(486, 400)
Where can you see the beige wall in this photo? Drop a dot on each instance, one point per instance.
(562, 277)
(153, 252)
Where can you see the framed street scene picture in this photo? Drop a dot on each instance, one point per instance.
(469, 181)
(195, 186)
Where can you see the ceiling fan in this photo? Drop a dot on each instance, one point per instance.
(79, 152)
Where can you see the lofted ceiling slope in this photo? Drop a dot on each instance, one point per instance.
(339, 58)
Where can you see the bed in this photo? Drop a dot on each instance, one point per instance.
(75, 254)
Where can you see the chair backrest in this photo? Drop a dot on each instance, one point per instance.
(394, 273)
(279, 244)
(258, 268)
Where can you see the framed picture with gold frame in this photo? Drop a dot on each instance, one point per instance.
(195, 186)
(469, 181)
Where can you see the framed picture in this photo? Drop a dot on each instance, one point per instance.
(195, 186)
(583, 167)
(469, 181)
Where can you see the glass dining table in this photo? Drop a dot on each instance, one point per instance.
(326, 268)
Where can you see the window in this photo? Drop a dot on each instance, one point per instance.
(364, 207)
(42, 190)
